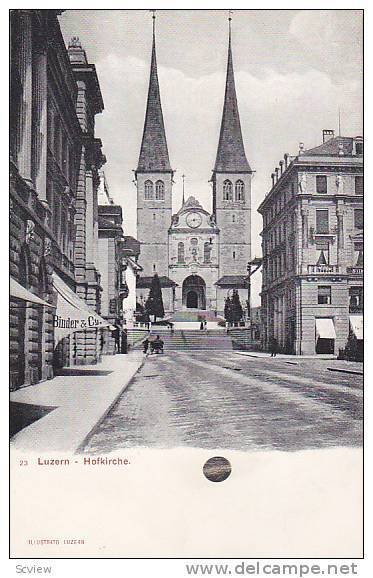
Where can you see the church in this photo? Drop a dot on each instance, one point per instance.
(201, 258)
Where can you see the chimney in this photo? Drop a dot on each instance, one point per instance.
(276, 171)
(301, 148)
(273, 179)
(286, 157)
(281, 166)
(327, 134)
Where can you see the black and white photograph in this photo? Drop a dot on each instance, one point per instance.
(186, 257)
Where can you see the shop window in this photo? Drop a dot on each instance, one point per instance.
(359, 218)
(324, 295)
(359, 185)
(321, 184)
(322, 221)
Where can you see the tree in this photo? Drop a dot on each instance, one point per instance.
(237, 311)
(228, 310)
(154, 303)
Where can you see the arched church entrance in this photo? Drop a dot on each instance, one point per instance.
(194, 292)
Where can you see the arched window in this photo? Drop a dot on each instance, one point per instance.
(180, 253)
(240, 190)
(233, 218)
(207, 252)
(234, 255)
(227, 191)
(148, 190)
(159, 190)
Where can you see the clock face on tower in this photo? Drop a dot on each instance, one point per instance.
(194, 220)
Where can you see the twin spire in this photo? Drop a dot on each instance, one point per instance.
(154, 151)
(231, 156)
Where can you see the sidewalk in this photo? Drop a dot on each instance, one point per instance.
(331, 361)
(81, 398)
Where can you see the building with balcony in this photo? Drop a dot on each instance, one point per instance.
(312, 241)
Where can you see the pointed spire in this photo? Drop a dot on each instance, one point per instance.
(231, 157)
(154, 151)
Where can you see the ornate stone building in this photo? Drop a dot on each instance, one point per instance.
(199, 257)
(53, 164)
(312, 238)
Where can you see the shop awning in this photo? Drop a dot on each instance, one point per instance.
(357, 325)
(20, 292)
(325, 328)
(72, 313)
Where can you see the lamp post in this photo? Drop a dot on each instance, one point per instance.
(252, 267)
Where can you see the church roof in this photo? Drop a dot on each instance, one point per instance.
(231, 156)
(154, 152)
(238, 281)
(146, 282)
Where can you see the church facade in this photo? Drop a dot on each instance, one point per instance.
(200, 257)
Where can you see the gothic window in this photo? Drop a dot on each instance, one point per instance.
(240, 191)
(180, 253)
(227, 190)
(207, 252)
(148, 190)
(159, 190)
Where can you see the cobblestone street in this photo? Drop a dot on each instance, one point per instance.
(224, 400)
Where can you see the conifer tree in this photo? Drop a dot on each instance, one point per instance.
(154, 303)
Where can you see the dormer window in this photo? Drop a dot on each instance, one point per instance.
(227, 190)
(240, 191)
(159, 190)
(148, 190)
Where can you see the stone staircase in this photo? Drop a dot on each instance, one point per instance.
(194, 315)
(195, 340)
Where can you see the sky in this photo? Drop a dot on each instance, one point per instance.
(294, 69)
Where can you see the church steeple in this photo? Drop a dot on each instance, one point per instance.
(231, 157)
(154, 152)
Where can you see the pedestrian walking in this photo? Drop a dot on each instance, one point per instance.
(145, 345)
(171, 326)
(124, 344)
(201, 326)
(273, 346)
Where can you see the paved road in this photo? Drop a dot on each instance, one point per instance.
(224, 400)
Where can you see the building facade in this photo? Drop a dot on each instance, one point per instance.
(110, 235)
(51, 206)
(198, 256)
(312, 240)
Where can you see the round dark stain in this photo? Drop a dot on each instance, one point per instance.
(217, 469)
